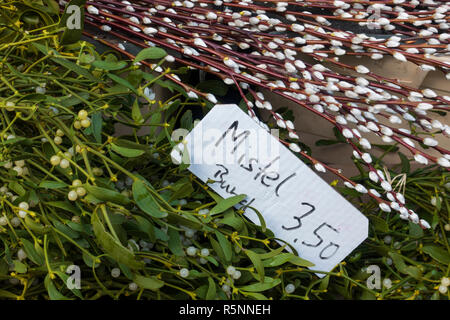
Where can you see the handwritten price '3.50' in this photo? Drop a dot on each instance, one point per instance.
(329, 250)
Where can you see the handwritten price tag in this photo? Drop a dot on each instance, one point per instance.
(229, 147)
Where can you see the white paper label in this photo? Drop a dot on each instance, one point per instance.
(229, 147)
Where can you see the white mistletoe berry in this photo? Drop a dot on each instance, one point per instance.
(184, 273)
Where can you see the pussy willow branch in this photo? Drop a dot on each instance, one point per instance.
(263, 44)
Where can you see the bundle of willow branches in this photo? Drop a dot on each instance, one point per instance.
(257, 45)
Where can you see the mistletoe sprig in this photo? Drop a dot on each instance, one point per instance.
(77, 193)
